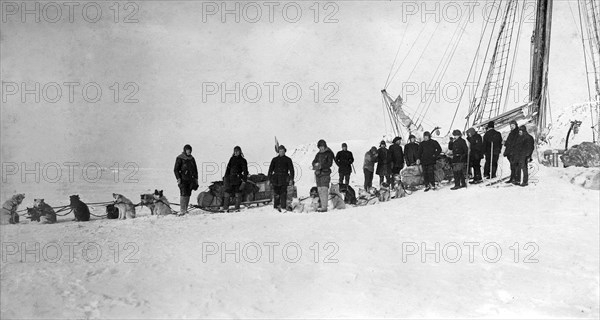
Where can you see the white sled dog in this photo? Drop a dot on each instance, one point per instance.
(125, 206)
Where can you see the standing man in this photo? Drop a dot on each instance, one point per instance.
(186, 173)
(509, 150)
(397, 158)
(322, 166)
(281, 174)
(459, 159)
(429, 150)
(411, 151)
(476, 154)
(235, 174)
(523, 150)
(383, 163)
(492, 144)
(369, 167)
(344, 161)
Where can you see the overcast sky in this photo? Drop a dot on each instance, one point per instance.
(177, 50)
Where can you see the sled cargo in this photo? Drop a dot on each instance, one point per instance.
(257, 190)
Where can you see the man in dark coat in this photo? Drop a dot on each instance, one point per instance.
(383, 163)
(397, 156)
(281, 174)
(344, 160)
(369, 167)
(322, 166)
(476, 154)
(492, 145)
(186, 173)
(522, 153)
(411, 150)
(509, 149)
(429, 150)
(235, 174)
(459, 159)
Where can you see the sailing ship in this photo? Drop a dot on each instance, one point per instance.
(489, 101)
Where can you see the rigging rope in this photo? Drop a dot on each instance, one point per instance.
(473, 107)
(445, 62)
(398, 51)
(473, 65)
(512, 68)
(407, 54)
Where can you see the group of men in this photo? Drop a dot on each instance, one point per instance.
(466, 158)
(518, 149)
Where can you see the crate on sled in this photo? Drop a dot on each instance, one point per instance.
(265, 191)
(252, 193)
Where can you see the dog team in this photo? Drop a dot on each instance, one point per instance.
(519, 147)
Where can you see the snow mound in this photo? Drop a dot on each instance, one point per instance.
(558, 133)
(588, 178)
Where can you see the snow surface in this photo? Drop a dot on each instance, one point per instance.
(160, 272)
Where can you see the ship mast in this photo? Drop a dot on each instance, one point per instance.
(539, 64)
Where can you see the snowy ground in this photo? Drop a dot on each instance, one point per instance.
(172, 267)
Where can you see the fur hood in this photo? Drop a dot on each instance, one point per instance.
(326, 150)
(185, 156)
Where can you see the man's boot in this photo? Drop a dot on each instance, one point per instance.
(183, 204)
(238, 201)
(456, 180)
(276, 202)
(226, 202)
(324, 197)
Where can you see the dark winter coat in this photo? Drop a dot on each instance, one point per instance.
(323, 162)
(383, 162)
(476, 146)
(429, 151)
(524, 146)
(344, 161)
(281, 171)
(397, 156)
(237, 170)
(492, 136)
(185, 167)
(511, 140)
(459, 150)
(370, 160)
(411, 153)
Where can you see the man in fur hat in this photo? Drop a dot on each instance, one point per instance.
(411, 150)
(344, 160)
(236, 175)
(523, 150)
(322, 166)
(459, 158)
(281, 174)
(429, 150)
(476, 154)
(509, 151)
(492, 145)
(369, 167)
(397, 156)
(186, 173)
